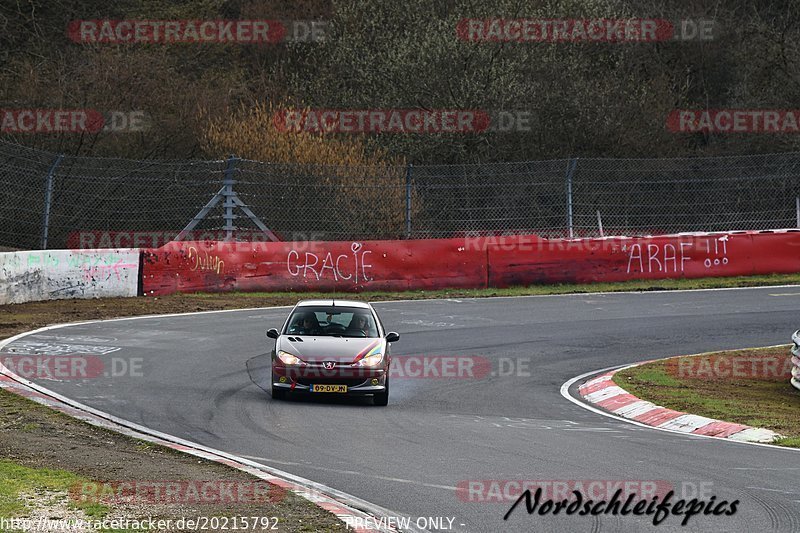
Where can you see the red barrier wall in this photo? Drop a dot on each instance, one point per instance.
(461, 263)
(622, 259)
(776, 252)
(312, 266)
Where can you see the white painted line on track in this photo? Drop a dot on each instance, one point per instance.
(773, 490)
(590, 293)
(765, 468)
(352, 472)
(443, 300)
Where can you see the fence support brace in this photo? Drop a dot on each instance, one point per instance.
(573, 163)
(408, 200)
(231, 201)
(600, 223)
(48, 199)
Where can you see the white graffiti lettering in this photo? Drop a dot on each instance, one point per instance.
(352, 266)
(665, 258)
(658, 258)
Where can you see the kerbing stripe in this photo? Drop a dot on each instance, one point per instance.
(635, 409)
(687, 423)
(603, 392)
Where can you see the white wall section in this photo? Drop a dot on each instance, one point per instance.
(60, 274)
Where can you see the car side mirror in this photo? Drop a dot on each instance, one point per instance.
(272, 333)
(392, 337)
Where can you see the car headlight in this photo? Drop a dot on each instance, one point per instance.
(289, 359)
(370, 360)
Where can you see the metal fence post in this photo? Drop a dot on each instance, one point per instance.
(229, 203)
(797, 209)
(573, 163)
(408, 200)
(600, 223)
(48, 199)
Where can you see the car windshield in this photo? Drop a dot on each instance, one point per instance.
(332, 322)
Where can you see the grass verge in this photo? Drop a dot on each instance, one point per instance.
(748, 387)
(48, 456)
(19, 482)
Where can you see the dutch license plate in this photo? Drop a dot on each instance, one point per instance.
(328, 388)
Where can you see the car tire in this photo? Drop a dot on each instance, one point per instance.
(382, 398)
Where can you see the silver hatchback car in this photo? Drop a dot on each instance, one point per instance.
(332, 347)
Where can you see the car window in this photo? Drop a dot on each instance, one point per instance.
(332, 321)
(342, 319)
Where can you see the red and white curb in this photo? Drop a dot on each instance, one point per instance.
(604, 393)
(347, 508)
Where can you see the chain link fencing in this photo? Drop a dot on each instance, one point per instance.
(53, 201)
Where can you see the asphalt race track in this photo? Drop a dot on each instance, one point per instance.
(201, 375)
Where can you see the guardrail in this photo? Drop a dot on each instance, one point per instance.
(425, 264)
(796, 360)
(480, 262)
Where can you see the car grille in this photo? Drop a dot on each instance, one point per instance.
(333, 380)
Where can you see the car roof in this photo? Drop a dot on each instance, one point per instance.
(333, 303)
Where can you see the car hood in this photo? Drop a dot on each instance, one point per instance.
(317, 349)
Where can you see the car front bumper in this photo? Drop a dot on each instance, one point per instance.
(366, 388)
(370, 381)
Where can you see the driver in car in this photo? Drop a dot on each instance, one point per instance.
(358, 326)
(310, 325)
